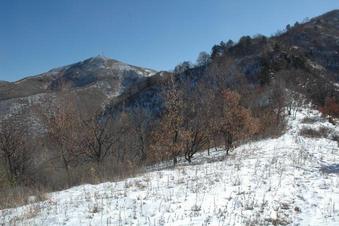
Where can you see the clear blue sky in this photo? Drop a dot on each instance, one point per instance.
(37, 35)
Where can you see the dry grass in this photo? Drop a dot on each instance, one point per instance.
(18, 196)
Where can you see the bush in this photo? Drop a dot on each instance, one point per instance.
(336, 138)
(331, 107)
(321, 132)
(310, 120)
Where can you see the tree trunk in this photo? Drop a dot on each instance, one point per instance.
(228, 140)
(175, 161)
(142, 148)
(225, 144)
(10, 172)
(66, 166)
(215, 144)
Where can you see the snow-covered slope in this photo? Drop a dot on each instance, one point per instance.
(288, 180)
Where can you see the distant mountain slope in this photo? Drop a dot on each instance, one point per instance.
(305, 58)
(94, 82)
(319, 39)
(100, 71)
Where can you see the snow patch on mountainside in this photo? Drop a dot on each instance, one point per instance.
(287, 180)
(336, 85)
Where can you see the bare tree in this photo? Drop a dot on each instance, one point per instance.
(98, 138)
(139, 123)
(64, 132)
(182, 67)
(203, 59)
(195, 137)
(196, 117)
(278, 99)
(123, 131)
(13, 150)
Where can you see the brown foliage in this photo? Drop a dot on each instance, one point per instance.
(169, 138)
(237, 122)
(189, 126)
(331, 107)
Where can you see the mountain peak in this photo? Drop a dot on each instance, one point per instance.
(97, 60)
(100, 58)
(97, 70)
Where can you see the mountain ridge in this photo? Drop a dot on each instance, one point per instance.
(77, 75)
(59, 68)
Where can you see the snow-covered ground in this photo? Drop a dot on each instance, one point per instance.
(288, 180)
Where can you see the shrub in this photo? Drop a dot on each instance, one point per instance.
(315, 133)
(331, 107)
(336, 138)
(309, 120)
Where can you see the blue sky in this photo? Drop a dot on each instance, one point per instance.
(38, 35)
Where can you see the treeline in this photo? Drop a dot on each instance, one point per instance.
(78, 148)
(73, 149)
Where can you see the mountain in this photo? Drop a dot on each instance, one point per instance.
(110, 75)
(304, 58)
(94, 81)
(319, 39)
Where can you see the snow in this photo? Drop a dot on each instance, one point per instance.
(286, 180)
(336, 85)
(149, 72)
(316, 66)
(144, 72)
